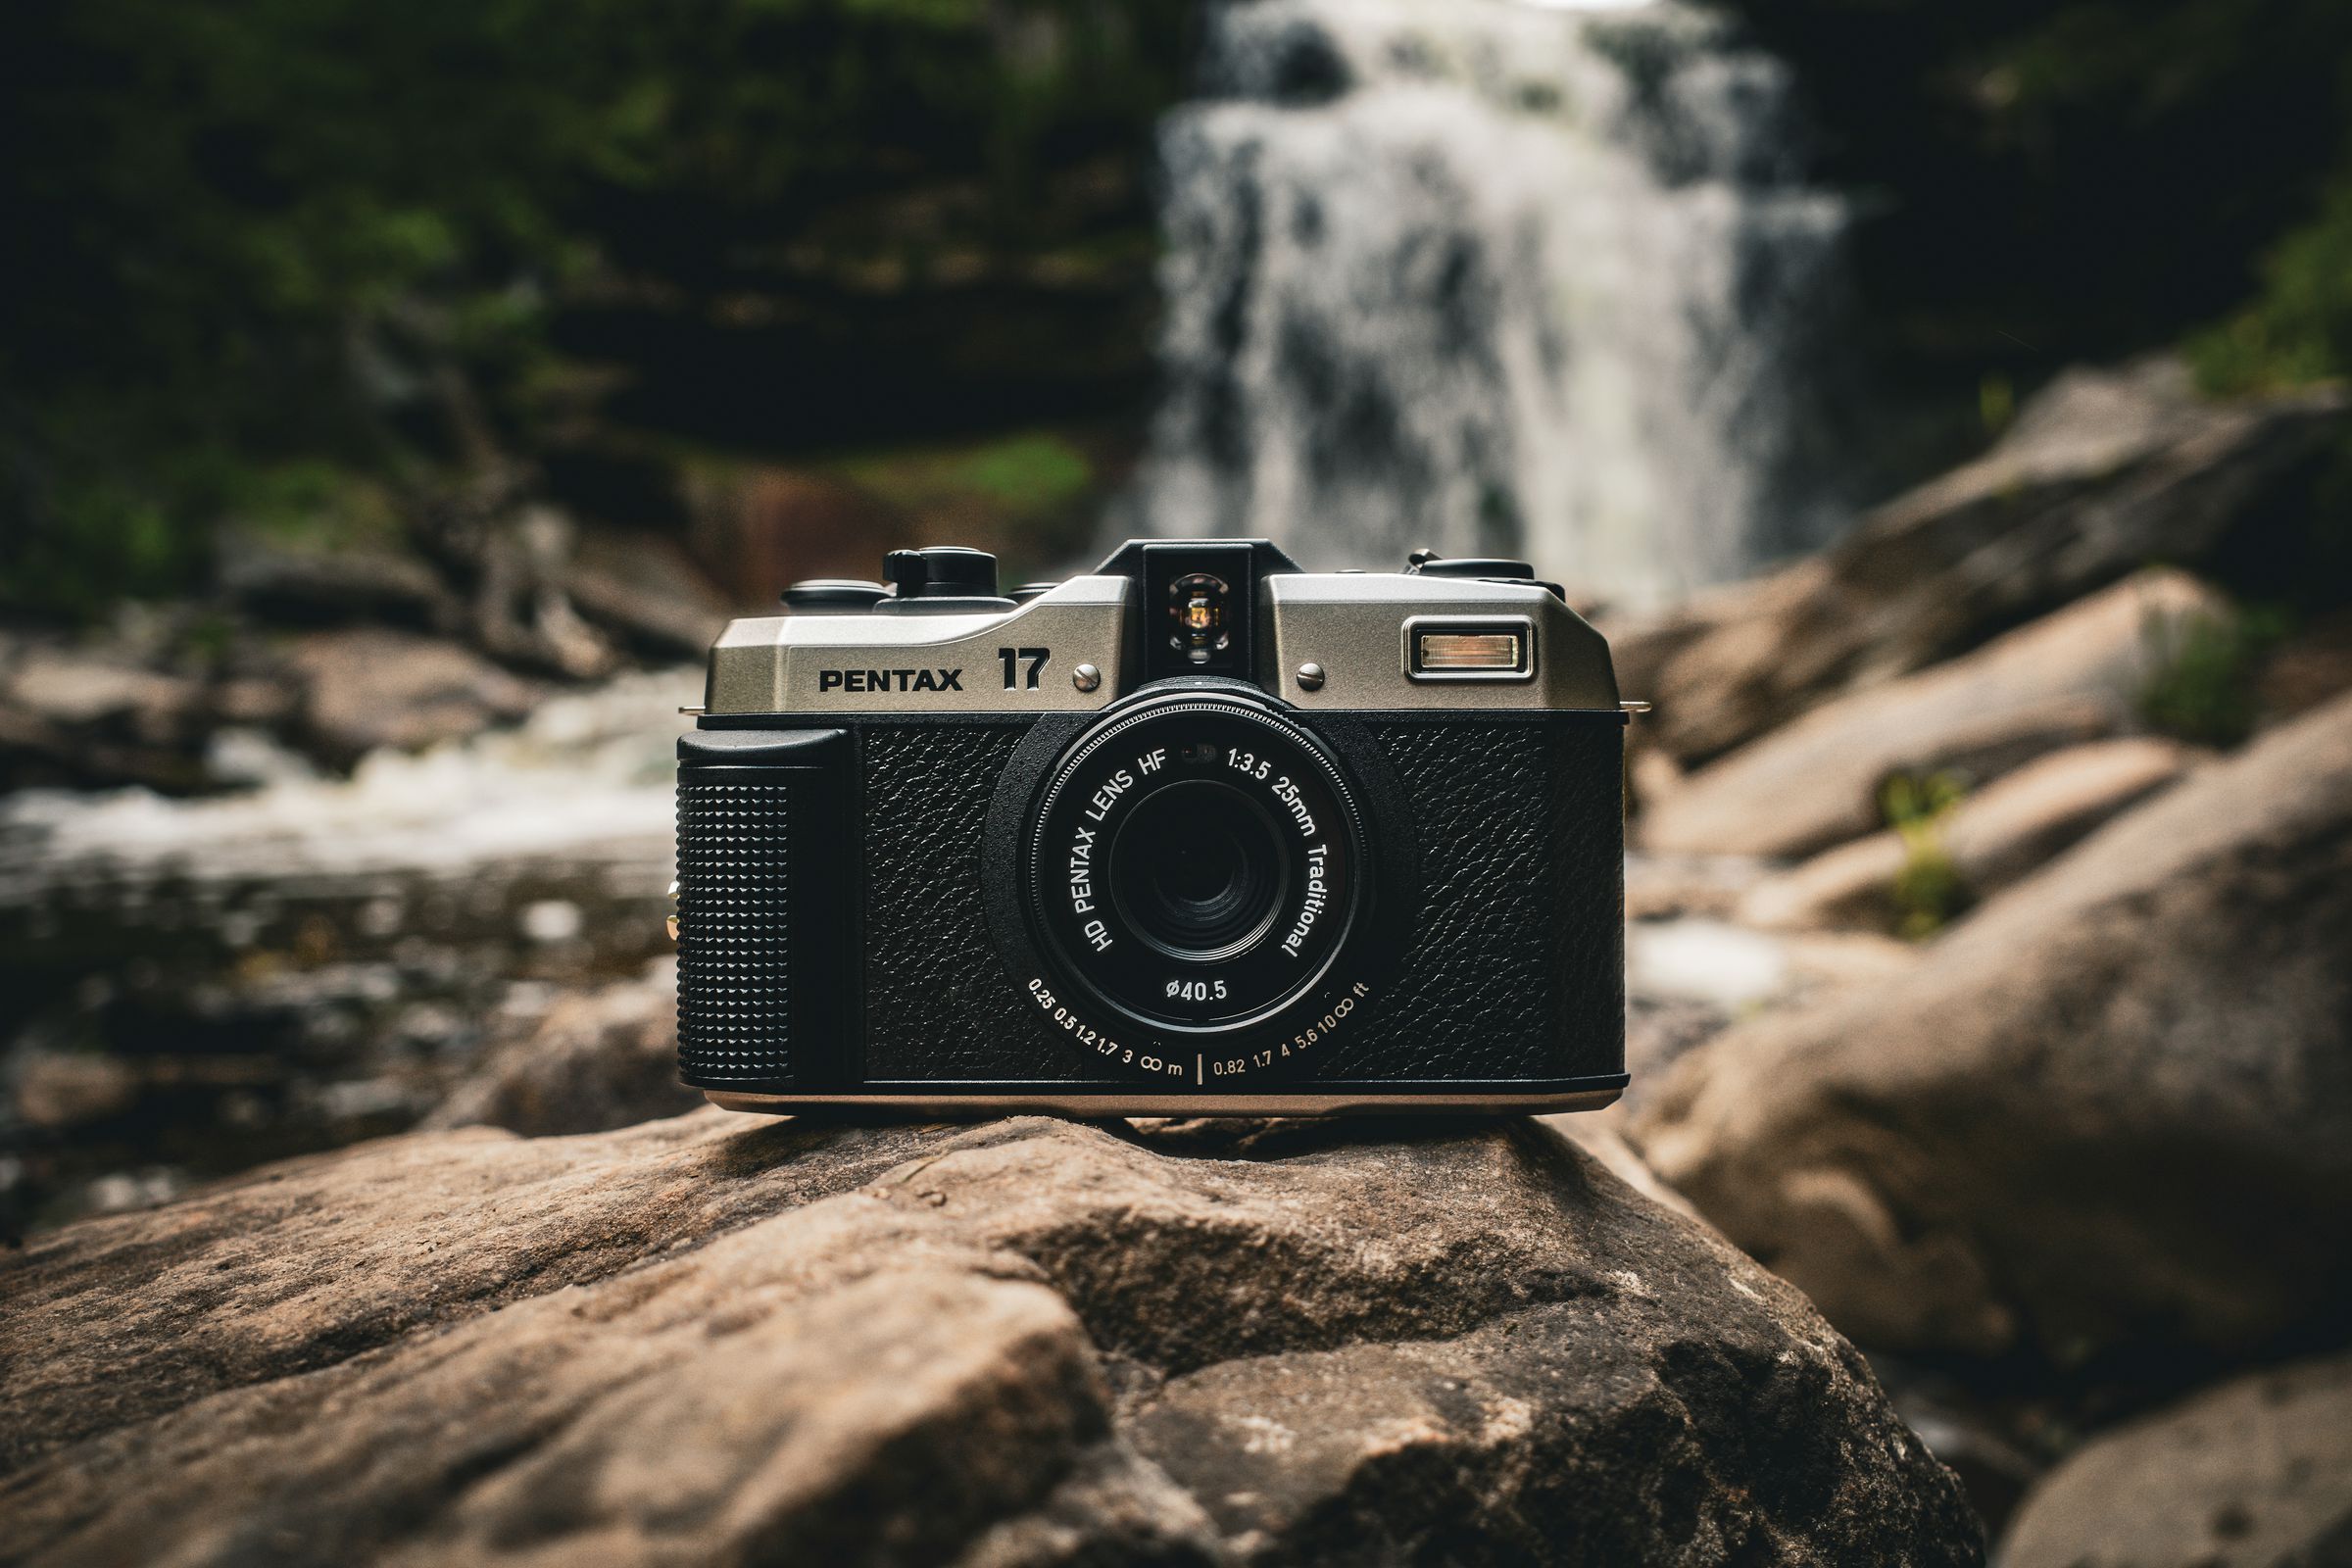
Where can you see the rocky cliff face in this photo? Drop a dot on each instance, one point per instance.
(1028, 1341)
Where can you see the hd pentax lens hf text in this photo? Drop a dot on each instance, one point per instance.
(1196, 831)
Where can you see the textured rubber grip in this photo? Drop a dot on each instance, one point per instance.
(735, 923)
(764, 909)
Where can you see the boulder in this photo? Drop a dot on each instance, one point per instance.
(2112, 1109)
(2103, 472)
(1991, 839)
(67, 688)
(2073, 676)
(2256, 1473)
(371, 687)
(321, 584)
(599, 1060)
(720, 1337)
(98, 718)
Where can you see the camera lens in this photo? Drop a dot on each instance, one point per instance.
(1198, 869)
(1195, 867)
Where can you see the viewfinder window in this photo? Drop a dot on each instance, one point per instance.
(1469, 651)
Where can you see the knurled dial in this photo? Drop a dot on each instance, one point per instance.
(942, 571)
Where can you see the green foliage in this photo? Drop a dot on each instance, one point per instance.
(2298, 328)
(1026, 496)
(2203, 688)
(1030, 472)
(2072, 179)
(1928, 891)
(337, 239)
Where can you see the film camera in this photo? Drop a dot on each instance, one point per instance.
(1195, 832)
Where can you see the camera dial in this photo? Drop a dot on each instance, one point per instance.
(1197, 863)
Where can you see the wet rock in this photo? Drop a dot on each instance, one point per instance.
(373, 687)
(2111, 1110)
(599, 1060)
(2256, 1473)
(1990, 839)
(2103, 472)
(2073, 676)
(721, 1337)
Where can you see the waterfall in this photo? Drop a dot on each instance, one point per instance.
(1499, 280)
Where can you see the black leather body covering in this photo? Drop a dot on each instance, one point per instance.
(1510, 946)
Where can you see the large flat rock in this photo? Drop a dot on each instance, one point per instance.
(1024, 1341)
(2112, 1110)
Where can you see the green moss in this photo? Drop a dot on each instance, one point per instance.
(1029, 474)
(1022, 477)
(1928, 890)
(2203, 690)
(1032, 497)
(2298, 328)
(316, 505)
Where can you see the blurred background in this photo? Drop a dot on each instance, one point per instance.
(1938, 405)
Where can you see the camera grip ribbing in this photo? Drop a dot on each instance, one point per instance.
(765, 904)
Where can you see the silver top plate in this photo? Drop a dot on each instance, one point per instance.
(1358, 627)
(1355, 626)
(925, 662)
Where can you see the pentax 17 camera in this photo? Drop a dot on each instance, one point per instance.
(1197, 832)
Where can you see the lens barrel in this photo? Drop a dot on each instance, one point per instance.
(1197, 864)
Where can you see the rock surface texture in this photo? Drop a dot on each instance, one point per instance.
(2112, 1109)
(2073, 677)
(2256, 1473)
(716, 1339)
(2103, 472)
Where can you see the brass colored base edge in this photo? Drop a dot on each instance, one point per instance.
(1114, 1104)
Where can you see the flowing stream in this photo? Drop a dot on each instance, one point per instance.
(190, 987)
(1496, 278)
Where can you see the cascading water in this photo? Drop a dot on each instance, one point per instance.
(1498, 281)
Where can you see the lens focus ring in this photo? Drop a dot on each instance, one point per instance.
(1197, 864)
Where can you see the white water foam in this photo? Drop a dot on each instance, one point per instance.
(587, 778)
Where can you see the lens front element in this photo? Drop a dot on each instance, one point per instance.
(1198, 870)
(1197, 864)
